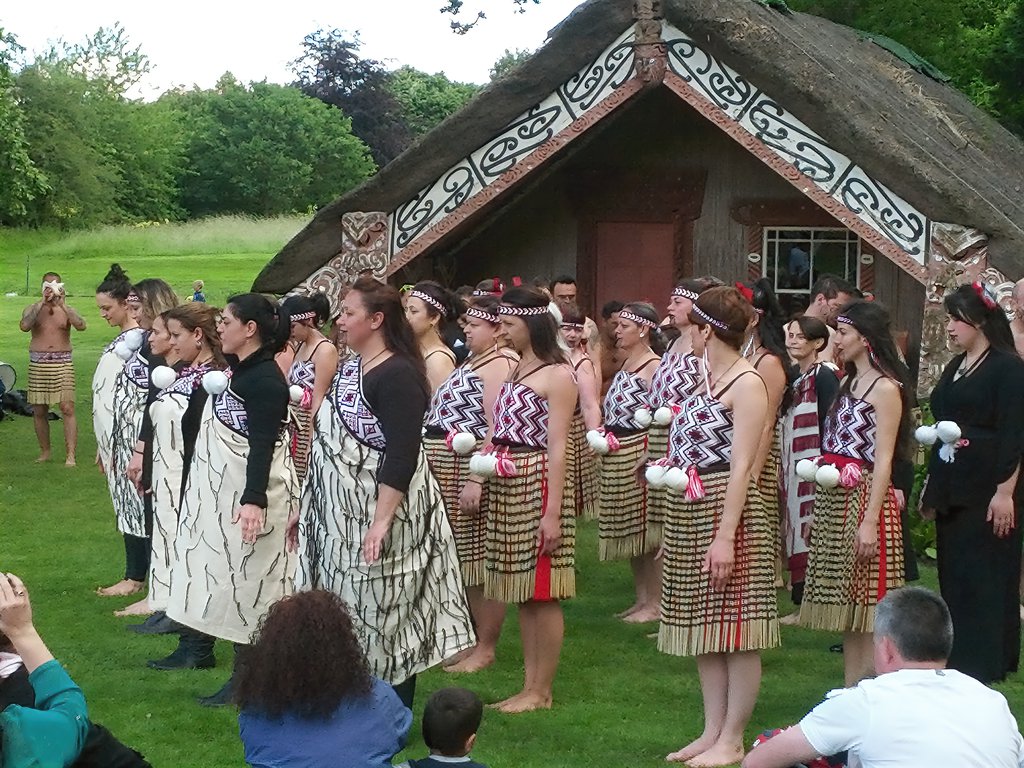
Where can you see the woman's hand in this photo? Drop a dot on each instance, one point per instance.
(719, 562)
(134, 470)
(469, 498)
(865, 545)
(373, 542)
(251, 518)
(291, 532)
(549, 535)
(1000, 514)
(15, 608)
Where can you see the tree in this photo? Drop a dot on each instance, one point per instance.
(264, 149)
(106, 58)
(331, 70)
(1006, 67)
(20, 179)
(455, 7)
(425, 99)
(508, 61)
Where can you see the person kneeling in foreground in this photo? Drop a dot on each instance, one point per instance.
(54, 732)
(306, 695)
(916, 712)
(451, 720)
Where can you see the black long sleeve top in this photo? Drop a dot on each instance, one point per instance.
(988, 405)
(190, 421)
(259, 383)
(397, 394)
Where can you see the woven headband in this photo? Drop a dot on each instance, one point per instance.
(573, 326)
(480, 314)
(506, 309)
(625, 314)
(303, 316)
(706, 318)
(685, 293)
(845, 321)
(133, 297)
(429, 300)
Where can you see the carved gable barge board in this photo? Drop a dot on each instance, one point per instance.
(881, 218)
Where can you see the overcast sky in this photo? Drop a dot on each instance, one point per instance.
(196, 41)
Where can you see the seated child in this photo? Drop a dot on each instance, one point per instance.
(450, 722)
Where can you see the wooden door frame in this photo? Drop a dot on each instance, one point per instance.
(631, 196)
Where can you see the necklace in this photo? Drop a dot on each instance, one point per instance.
(367, 363)
(723, 374)
(967, 370)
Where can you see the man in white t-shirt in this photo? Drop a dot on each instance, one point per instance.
(915, 713)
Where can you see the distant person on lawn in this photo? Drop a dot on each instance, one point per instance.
(51, 374)
(915, 713)
(197, 291)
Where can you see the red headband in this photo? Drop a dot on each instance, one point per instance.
(985, 294)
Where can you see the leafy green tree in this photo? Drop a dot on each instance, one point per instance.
(20, 179)
(264, 149)
(107, 58)
(425, 99)
(508, 61)
(455, 7)
(1006, 67)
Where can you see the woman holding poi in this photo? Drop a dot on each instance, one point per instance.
(856, 553)
(372, 526)
(583, 467)
(718, 597)
(231, 544)
(974, 488)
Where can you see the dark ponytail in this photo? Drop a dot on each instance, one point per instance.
(116, 284)
(317, 303)
(273, 323)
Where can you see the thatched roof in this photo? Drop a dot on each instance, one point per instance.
(921, 138)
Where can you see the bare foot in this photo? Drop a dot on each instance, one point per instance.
(719, 756)
(70, 462)
(472, 663)
(1022, 613)
(524, 702)
(643, 616)
(790, 620)
(651, 635)
(122, 588)
(629, 611)
(44, 456)
(139, 608)
(451, 661)
(691, 750)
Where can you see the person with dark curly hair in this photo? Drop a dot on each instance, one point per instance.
(306, 696)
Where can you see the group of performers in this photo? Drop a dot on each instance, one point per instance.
(430, 484)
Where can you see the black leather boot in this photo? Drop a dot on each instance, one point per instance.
(194, 651)
(225, 696)
(157, 624)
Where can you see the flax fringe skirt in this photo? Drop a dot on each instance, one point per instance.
(51, 378)
(582, 472)
(515, 570)
(657, 498)
(451, 472)
(622, 524)
(840, 594)
(697, 620)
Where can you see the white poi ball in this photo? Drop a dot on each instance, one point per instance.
(643, 417)
(463, 443)
(663, 416)
(295, 393)
(827, 476)
(926, 434)
(806, 469)
(655, 475)
(676, 479)
(134, 339)
(162, 377)
(123, 351)
(597, 441)
(215, 382)
(948, 431)
(474, 463)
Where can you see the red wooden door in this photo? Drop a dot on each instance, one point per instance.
(635, 262)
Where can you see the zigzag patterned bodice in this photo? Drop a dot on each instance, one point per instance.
(627, 393)
(701, 433)
(137, 370)
(458, 404)
(347, 396)
(520, 416)
(229, 409)
(113, 341)
(303, 373)
(188, 380)
(850, 429)
(675, 379)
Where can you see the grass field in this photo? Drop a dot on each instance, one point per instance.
(618, 701)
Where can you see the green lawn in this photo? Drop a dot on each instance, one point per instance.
(618, 701)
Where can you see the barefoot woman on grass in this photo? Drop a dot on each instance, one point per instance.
(531, 529)
(718, 597)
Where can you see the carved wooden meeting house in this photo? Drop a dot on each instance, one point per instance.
(649, 141)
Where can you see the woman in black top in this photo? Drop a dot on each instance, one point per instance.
(974, 485)
(241, 487)
(372, 526)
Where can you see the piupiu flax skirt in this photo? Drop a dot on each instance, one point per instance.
(622, 524)
(302, 418)
(840, 594)
(51, 378)
(582, 471)
(695, 619)
(516, 570)
(451, 472)
(657, 498)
